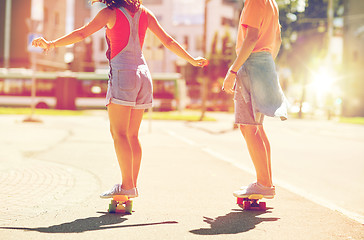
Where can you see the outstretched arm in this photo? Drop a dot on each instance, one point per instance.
(101, 19)
(171, 43)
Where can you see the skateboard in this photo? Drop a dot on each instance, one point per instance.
(121, 204)
(251, 202)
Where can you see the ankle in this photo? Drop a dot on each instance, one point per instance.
(127, 186)
(265, 185)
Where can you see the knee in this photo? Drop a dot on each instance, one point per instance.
(118, 135)
(133, 136)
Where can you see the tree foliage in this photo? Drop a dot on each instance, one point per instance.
(304, 33)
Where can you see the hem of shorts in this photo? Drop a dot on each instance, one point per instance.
(143, 106)
(129, 104)
(257, 124)
(121, 102)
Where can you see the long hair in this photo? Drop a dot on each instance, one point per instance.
(132, 5)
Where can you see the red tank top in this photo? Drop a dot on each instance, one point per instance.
(118, 36)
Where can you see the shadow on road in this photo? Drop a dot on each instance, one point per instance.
(88, 224)
(238, 221)
(210, 130)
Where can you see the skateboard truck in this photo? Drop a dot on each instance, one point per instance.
(121, 204)
(251, 202)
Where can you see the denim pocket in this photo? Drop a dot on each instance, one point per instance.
(126, 80)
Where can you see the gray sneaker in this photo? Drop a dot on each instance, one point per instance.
(117, 190)
(255, 188)
(245, 187)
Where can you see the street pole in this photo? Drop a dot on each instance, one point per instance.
(32, 25)
(204, 78)
(329, 61)
(33, 89)
(330, 27)
(7, 34)
(204, 49)
(31, 118)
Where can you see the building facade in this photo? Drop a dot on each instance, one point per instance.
(52, 15)
(184, 21)
(50, 19)
(353, 58)
(16, 54)
(62, 17)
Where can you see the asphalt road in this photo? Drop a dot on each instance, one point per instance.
(52, 173)
(320, 160)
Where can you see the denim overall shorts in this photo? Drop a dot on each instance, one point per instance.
(130, 82)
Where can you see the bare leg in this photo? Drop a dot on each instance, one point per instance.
(259, 152)
(119, 125)
(267, 146)
(135, 121)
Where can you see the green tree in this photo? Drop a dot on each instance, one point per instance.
(304, 37)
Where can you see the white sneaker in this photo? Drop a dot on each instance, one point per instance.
(245, 187)
(118, 190)
(256, 188)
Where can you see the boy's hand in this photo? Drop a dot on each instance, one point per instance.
(229, 82)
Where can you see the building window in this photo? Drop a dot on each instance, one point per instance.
(56, 18)
(46, 15)
(159, 17)
(230, 1)
(186, 42)
(87, 4)
(355, 56)
(199, 43)
(102, 45)
(227, 22)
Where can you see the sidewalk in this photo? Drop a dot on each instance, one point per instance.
(52, 173)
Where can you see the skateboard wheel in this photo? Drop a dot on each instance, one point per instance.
(246, 205)
(262, 206)
(120, 208)
(129, 207)
(239, 201)
(112, 208)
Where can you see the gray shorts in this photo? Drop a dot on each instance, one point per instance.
(244, 113)
(130, 88)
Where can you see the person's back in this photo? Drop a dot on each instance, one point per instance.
(129, 29)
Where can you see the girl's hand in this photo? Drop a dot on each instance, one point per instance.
(229, 82)
(200, 62)
(41, 42)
